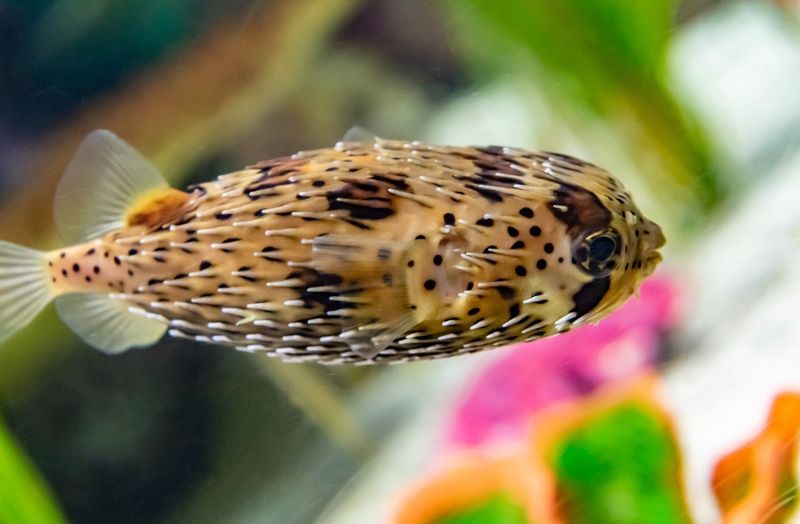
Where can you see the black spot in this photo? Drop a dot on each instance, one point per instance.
(105, 255)
(130, 272)
(410, 263)
(437, 260)
(412, 306)
(223, 216)
(535, 231)
(394, 181)
(420, 237)
(180, 276)
(96, 270)
(88, 278)
(474, 311)
(153, 281)
(519, 244)
(430, 284)
(319, 183)
(160, 260)
(488, 194)
(132, 252)
(160, 249)
(62, 255)
(541, 264)
(590, 295)
(76, 268)
(548, 248)
(384, 253)
(205, 264)
(230, 240)
(520, 271)
(512, 231)
(470, 285)
(486, 222)
(560, 260)
(513, 311)
(64, 272)
(506, 292)
(449, 219)
(526, 212)
(91, 252)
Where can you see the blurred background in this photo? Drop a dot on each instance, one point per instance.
(693, 104)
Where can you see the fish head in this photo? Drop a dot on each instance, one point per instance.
(613, 247)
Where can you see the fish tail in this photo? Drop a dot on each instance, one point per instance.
(24, 287)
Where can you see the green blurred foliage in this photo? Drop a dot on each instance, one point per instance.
(498, 509)
(601, 59)
(24, 497)
(619, 467)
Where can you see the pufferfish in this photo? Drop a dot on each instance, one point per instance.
(371, 251)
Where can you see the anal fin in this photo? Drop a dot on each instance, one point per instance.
(106, 323)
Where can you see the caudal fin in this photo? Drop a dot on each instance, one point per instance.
(24, 287)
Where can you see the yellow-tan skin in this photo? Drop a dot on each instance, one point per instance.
(260, 301)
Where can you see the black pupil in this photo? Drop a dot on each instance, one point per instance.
(602, 248)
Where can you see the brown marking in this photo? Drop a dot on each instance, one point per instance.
(158, 208)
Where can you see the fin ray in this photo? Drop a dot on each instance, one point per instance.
(106, 323)
(102, 181)
(24, 288)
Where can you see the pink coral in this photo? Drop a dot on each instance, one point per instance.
(524, 380)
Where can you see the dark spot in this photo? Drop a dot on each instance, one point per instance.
(319, 183)
(153, 282)
(105, 255)
(384, 253)
(64, 272)
(541, 264)
(506, 292)
(179, 276)
(474, 311)
(410, 263)
(50, 264)
(437, 260)
(560, 260)
(76, 268)
(96, 270)
(387, 279)
(359, 206)
(205, 264)
(412, 306)
(91, 252)
(548, 248)
(520, 271)
(420, 237)
(488, 194)
(526, 212)
(535, 231)
(485, 222)
(513, 311)
(160, 249)
(230, 240)
(62, 255)
(519, 244)
(88, 278)
(590, 295)
(396, 181)
(470, 285)
(132, 252)
(160, 260)
(449, 219)
(512, 231)
(130, 272)
(53, 279)
(223, 216)
(430, 284)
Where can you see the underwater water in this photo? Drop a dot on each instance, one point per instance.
(681, 406)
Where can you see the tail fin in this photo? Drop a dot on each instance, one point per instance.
(24, 288)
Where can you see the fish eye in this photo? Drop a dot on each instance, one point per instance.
(597, 253)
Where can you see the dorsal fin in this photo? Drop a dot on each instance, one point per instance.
(105, 178)
(360, 135)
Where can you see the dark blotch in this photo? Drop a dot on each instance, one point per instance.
(449, 219)
(205, 264)
(541, 264)
(526, 212)
(437, 260)
(535, 231)
(520, 271)
(548, 248)
(430, 284)
(590, 295)
(485, 222)
(512, 231)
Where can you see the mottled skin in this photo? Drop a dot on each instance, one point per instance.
(425, 251)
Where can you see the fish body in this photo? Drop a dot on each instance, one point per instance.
(365, 252)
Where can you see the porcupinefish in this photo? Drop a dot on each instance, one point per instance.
(369, 251)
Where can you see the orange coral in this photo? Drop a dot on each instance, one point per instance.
(756, 483)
